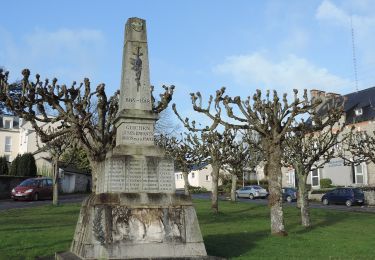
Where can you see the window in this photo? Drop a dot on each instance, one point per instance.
(7, 123)
(8, 143)
(358, 111)
(290, 177)
(49, 182)
(206, 177)
(7, 157)
(315, 178)
(192, 175)
(358, 169)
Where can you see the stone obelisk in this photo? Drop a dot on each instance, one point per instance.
(135, 212)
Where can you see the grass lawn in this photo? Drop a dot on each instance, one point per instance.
(240, 231)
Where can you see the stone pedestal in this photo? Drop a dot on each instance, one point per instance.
(137, 225)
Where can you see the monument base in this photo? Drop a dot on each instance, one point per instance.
(137, 226)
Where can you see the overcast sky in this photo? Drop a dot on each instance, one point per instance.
(196, 45)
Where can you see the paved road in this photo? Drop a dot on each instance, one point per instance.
(76, 198)
(316, 205)
(10, 204)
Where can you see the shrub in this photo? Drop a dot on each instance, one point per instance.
(193, 189)
(321, 191)
(14, 166)
(368, 188)
(225, 188)
(24, 165)
(27, 166)
(3, 166)
(325, 183)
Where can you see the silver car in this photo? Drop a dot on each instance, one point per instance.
(251, 192)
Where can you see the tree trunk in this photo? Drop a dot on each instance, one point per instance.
(234, 187)
(273, 170)
(304, 201)
(215, 184)
(297, 180)
(97, 172)
(55, 187)
(185, 174)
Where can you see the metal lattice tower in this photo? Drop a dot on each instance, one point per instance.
(354, 56)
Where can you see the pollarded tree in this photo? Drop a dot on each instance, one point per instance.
(212, 145)
(310, 147)
(359, 146)
(184, 153)
(56, 148)
(86, 115)
(272, 119)
(243, 155)
(15, 90)
(237, 160)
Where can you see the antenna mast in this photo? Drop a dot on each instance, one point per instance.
(354, 56)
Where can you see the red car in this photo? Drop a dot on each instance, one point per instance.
(33, 189)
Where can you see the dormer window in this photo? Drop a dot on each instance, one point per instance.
(8, 123)
(358, 111)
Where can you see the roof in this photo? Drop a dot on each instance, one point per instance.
(363, 99)
(198, 167)
(67, 167)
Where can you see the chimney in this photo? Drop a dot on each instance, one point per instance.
(314, 93)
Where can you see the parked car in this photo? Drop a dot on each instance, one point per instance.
(251, 192)
(33, 189)
(289, 194)
(347, 196)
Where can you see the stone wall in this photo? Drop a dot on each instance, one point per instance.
(82, 181)
(7, 183)
(316, 197)
(370, 197)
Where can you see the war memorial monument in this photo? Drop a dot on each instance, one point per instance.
(135, 212)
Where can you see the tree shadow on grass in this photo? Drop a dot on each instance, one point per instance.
(319, 220)
(225, 216)
(36, 228)
(232, 245)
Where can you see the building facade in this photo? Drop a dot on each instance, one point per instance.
(9, 137)
(200, 176)
(18, 137)
(359, 112)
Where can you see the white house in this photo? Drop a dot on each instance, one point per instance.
(18, 137)
(200, 176)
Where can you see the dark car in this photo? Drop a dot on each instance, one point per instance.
(347, 196)
(33, 189)
(289, 194)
